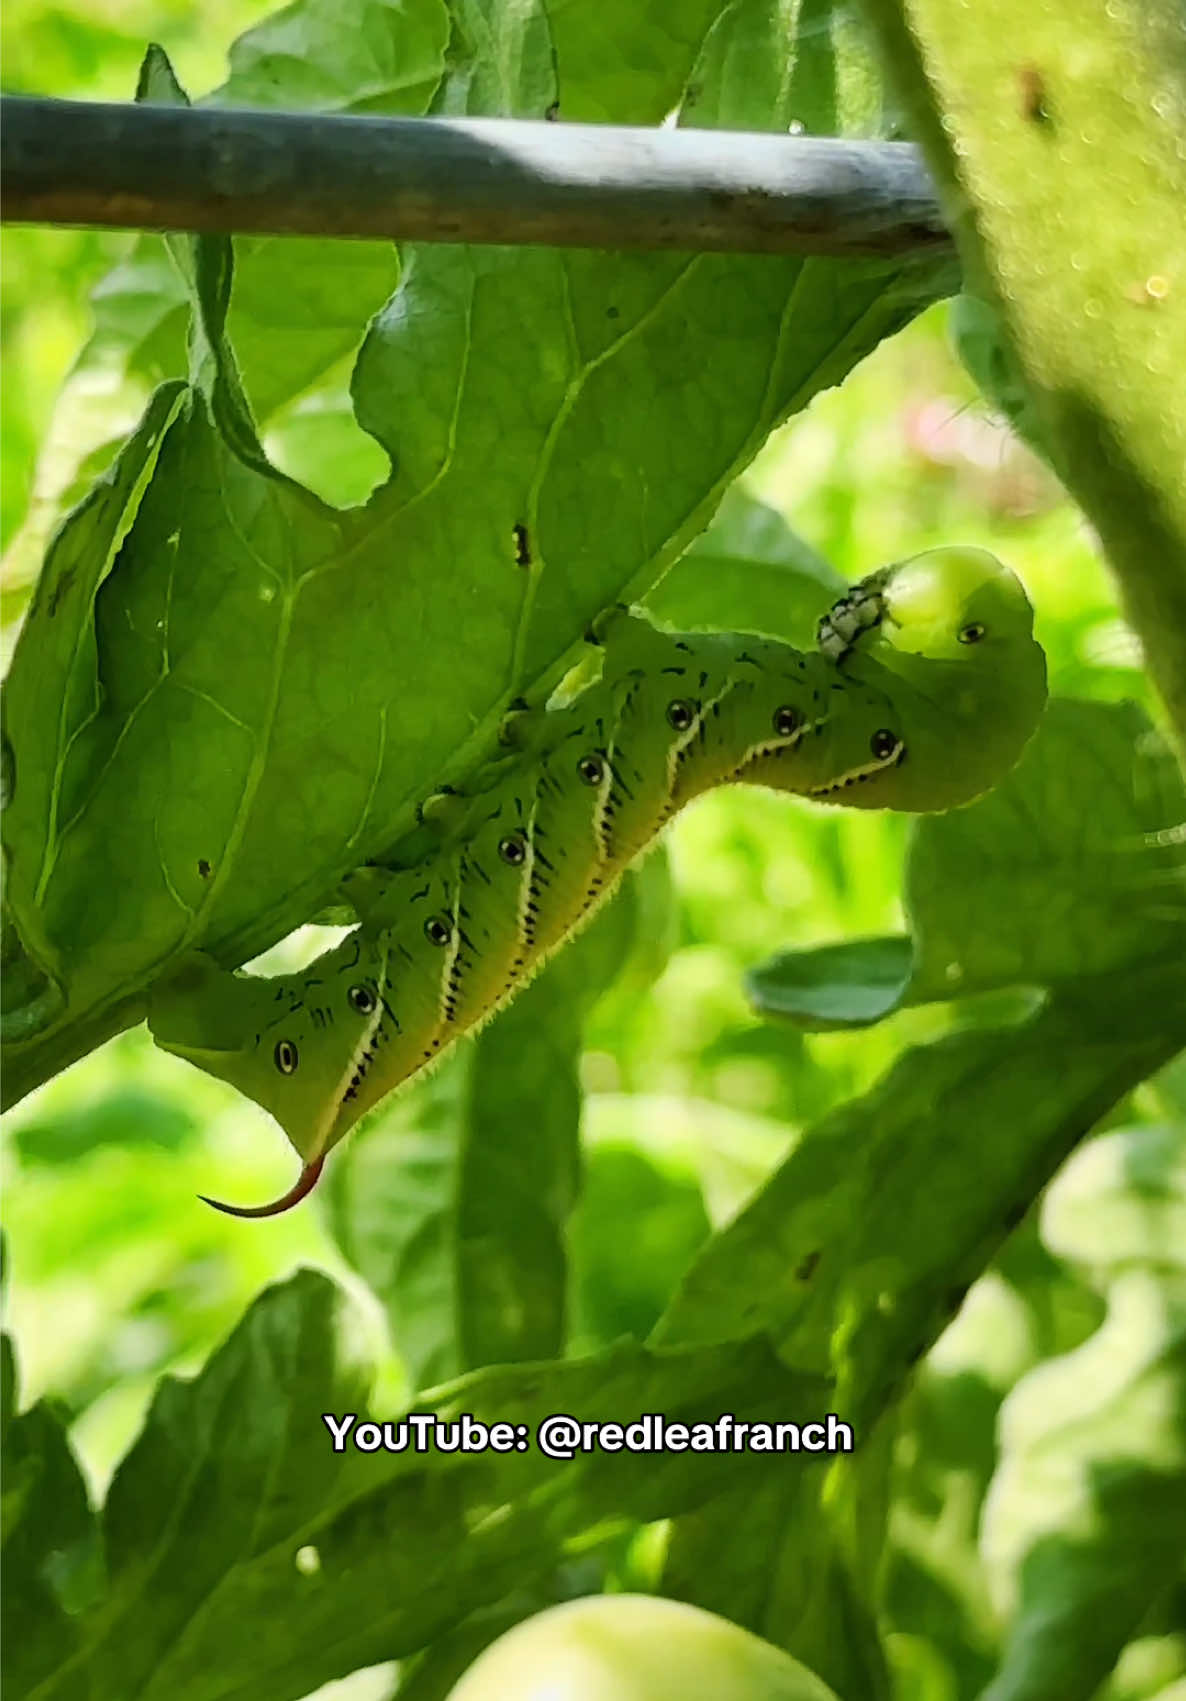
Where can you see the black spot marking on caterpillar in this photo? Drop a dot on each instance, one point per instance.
(204, 868)
(618, 783)
(1035, 107)
(522, 545)
(807, 1267)
(363, 1066)
(513, 849)
(613, 313)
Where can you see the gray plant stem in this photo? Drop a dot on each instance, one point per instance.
(475, 180)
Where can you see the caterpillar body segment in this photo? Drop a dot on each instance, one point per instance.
(927, 685)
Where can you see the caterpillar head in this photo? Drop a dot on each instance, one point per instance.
(300, 1045)
(954, 652)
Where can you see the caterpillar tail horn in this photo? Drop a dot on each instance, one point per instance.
(305, 1182)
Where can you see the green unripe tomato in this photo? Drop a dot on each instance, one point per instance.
(634, 1648)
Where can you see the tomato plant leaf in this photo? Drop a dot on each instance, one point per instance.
(247, 1558)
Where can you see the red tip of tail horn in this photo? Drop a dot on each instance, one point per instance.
(305, 1182)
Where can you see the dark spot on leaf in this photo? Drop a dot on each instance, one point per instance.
(59, 591)
(204, 868)
(522, 545)
(807, 1266)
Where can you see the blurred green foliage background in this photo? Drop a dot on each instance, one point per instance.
(115, 1273)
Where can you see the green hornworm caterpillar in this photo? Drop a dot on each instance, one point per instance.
(926, 685)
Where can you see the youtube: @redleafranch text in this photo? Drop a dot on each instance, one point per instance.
(562, 1436)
